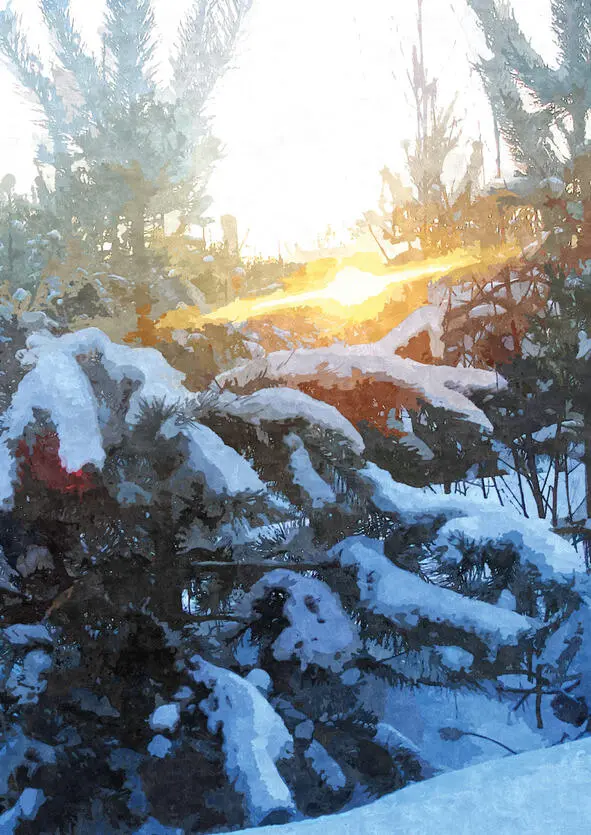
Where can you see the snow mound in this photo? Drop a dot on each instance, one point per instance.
(319, 632)
(478, 519)
(535, 793)
(344, 366)
(254, 739)
(405, 599)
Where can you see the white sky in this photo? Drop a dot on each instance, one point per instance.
(315, 104)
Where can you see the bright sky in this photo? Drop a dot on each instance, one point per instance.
(315, 104)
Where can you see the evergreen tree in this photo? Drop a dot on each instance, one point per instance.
(123, 149)
(516, 76)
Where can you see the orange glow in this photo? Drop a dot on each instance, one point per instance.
(342, 299)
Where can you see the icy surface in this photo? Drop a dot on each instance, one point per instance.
(319, 632)
(537, 793)
(254, 739)
(405, 599)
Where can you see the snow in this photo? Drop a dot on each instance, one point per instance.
(254, 739)
(428, 319)
(285, 404)
(345, 366)
(261, 680)
(405, 599)
(319, 631)
(224, 470)
(24, 682)
(166, 718)
(159, 746)
(455, 658)
(325, 766)
(305, 476)
(536, 793)
(57, 384)
(22, 634)
(479, 519)
(25, 809)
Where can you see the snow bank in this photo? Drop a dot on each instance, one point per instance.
(254, 739)
(405, 599)
(479, 519)
(319, 632)
(345, 366)
(284, 404)
(540, 792)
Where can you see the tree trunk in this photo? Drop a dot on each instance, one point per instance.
(534, 479)
(138, 232)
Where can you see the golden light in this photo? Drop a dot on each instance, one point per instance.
(349, 291)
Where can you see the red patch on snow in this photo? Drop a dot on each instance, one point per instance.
(42, 463)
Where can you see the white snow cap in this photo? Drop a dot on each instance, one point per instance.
(305, 476)
(405, 599)
(166, 718)
(254, 739)
(284, 404)
(319, 632)
(58, 385)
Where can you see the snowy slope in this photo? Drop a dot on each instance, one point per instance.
(544, 792)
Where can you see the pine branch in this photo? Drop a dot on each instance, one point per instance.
(27, 69)
(130, 42)
(205, 42)
(74, 57)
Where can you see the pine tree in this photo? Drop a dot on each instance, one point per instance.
(123, 149)
(516, 76)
